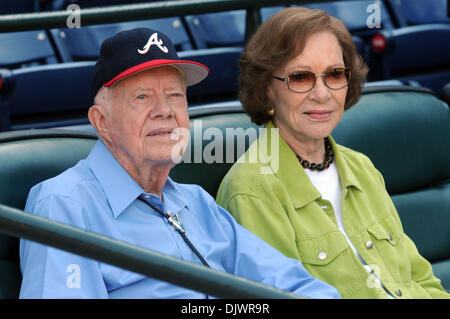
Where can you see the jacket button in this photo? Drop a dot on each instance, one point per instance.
(322, 255)
(369, 244)
(398, 292)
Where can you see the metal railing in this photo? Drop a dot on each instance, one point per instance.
(142, 11)
(17, 223)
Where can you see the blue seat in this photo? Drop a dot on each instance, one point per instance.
(353, 13)
(217, 29)
(415, 12)
(222, 81)
(45, 96)
(19, 6)
(78, 44)
(222, 29)
(62, 4)
(25, 48)
(420, 53)
(227, 29)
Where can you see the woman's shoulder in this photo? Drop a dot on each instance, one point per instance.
(358, 163)
(353, 156)
(247, 177)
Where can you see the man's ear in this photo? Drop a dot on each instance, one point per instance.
(97, 116)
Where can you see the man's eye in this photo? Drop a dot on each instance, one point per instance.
(141, 96)
(176, 94)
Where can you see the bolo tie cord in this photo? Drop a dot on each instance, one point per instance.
(178, 226)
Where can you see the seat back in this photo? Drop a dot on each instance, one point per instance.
(25, 49)
(19, 6)
(220, 133)
(46, 95)
(222, 81)
(27, 158)
(83, 44)
(420, 53)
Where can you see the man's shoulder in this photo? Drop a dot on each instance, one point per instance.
(63, 185)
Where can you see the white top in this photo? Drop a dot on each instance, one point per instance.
(328, 184)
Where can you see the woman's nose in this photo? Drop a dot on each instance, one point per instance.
(320, 92)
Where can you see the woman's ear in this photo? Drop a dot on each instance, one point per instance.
(97, 115)
(270, 95)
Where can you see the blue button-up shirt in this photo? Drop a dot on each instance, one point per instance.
(98, 195)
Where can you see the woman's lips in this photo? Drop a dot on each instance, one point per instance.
(319, 115)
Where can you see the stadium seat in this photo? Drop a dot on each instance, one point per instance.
(217, 29)
(45, 96)
(222, 29)
(27, 158)
(25, 48)
(419, 53)
(78, 44)
(227, 29)
(62, 4)
(222, 81)
(19, 6)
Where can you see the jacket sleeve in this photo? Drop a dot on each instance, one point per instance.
(265, 218)
(421, 270)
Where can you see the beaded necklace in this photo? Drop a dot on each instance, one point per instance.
(329, 157)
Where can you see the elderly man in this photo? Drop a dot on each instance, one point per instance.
(122, 190)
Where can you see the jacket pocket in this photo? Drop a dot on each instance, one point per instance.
(389, 244)
(386, 230)
(329, 258)
(322, 250)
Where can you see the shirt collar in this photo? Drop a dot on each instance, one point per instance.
(292, 175)
(120, 188)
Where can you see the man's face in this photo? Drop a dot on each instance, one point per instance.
(146, 108)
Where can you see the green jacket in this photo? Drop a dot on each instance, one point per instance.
(274, 198)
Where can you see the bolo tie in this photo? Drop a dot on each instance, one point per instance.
(175, 221)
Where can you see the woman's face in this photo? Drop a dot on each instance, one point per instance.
(312, 115)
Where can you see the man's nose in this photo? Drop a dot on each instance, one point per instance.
(162, 109)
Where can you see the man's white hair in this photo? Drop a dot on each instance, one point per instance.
(103, 97)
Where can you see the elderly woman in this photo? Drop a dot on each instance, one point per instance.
(323, 203)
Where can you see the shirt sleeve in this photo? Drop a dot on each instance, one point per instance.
(53, 273)
(256, 260)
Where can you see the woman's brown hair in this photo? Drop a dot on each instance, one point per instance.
(278, 40)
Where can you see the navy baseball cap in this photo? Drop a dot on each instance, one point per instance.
(132, 51)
